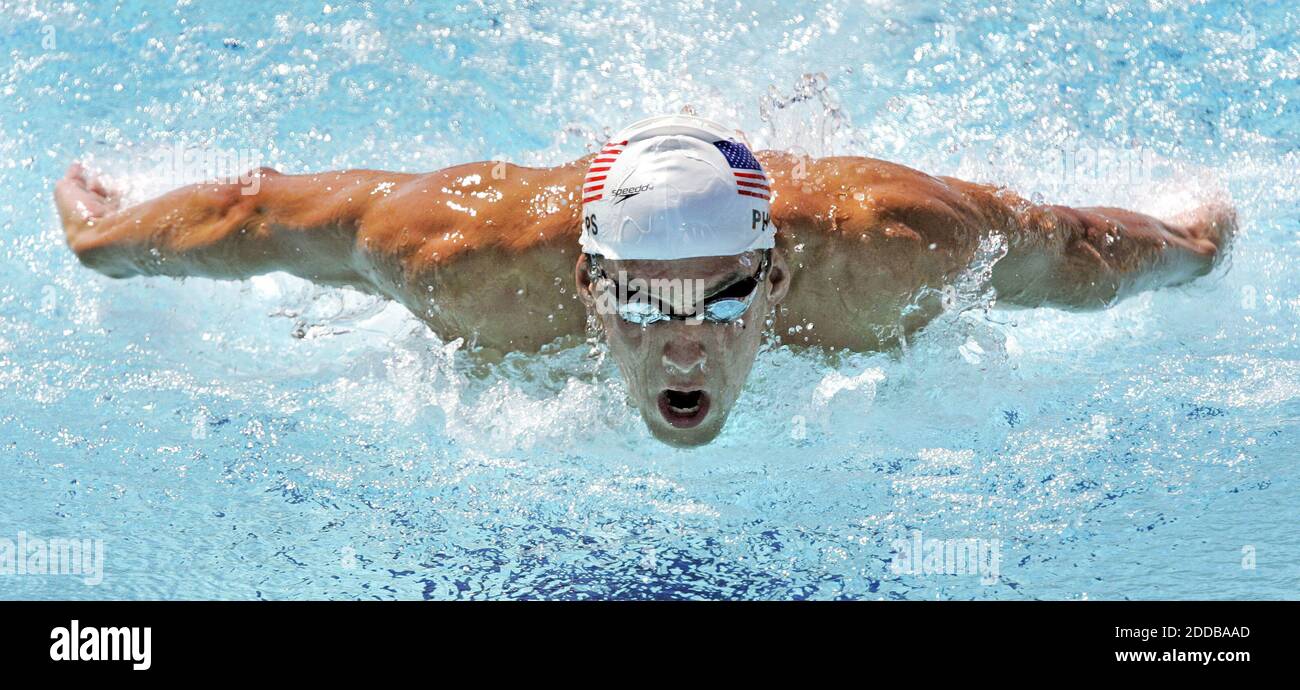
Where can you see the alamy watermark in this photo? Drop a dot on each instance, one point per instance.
(917, 555)
(681, 296)
(54, 556)
(1078, 168)
(1086, 168)
(76, 642)
(182, 164)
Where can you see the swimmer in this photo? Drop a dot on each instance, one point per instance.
(678, 242)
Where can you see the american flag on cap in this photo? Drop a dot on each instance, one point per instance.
(750, 179)
(593, 186)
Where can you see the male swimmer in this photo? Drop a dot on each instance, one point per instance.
(864, 248)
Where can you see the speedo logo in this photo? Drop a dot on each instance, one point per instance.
(625, 193)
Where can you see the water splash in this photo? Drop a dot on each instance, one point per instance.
(806, 120)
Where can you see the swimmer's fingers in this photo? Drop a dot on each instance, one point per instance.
(95, 183)
(1209, 227)
(81, 200)
(70, 196)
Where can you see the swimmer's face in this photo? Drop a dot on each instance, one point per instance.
(684, 376)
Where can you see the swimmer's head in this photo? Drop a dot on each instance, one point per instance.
(675, 187)
(680, 269)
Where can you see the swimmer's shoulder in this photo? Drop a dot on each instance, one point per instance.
(857, 200)
(435, 218)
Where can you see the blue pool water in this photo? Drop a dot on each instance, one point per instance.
(271, 439)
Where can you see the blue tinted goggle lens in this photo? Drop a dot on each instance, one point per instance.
(724, 310)
(727, 309)
(640, 313)
(721, 311)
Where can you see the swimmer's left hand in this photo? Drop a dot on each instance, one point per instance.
(1207, 229)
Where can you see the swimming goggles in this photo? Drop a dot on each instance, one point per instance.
(724, 306)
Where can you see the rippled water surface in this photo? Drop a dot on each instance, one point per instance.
(273, 439)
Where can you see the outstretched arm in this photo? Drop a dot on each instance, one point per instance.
(475, 250)
(1087, 258)
(303, 224)
(919, 231)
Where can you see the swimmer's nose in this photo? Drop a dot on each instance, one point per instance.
(683, 356)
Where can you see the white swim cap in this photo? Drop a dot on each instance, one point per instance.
(674, 187)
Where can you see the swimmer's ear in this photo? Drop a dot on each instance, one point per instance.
(582, 278)
(778, 278)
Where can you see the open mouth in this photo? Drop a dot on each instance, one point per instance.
(683, 409)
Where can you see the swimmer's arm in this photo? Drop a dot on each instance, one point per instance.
(1089, 258)
(914, 230)
(303, 224)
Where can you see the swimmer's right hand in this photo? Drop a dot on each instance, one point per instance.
(84, 205)
(82, 199)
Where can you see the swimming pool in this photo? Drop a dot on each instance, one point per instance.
(271, 439)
